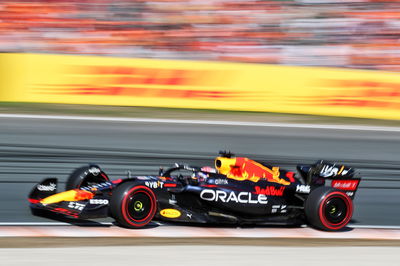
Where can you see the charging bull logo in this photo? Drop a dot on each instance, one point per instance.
(240, 168)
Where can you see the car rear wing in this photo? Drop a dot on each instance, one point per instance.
(338, 176)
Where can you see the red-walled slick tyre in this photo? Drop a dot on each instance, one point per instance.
(132, 205)
(328, 209)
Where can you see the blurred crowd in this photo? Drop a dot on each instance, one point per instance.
(340, 33)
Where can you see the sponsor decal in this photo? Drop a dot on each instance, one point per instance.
(94, 171)
(50, 187)
(98, 201)
(278, 209)
(221, 181)
(189, 215)
(364, 93)
(303, 188)
(66, 212)
(270, 190)
(170, 213)
(76, 205)
(345, 184)
(331, 170)
(242, 197)
(144, 82)
(154, 184)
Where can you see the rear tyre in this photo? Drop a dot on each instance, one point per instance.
(328, 209)
(133, 206)
(88, 175)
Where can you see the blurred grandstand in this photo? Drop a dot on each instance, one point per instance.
(339, 33)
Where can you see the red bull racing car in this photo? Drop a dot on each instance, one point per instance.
(236, 191)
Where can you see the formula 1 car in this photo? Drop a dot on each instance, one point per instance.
(237, 191)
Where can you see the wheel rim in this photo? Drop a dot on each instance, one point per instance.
(335, 210)
(139, 206)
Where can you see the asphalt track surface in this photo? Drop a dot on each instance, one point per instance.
(31, 149)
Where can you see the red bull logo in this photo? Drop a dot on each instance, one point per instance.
(241, 168)
(270, 190)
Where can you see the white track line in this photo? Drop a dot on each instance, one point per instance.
(204, 122)
(395, 227)
(57, 229)
(193, 232)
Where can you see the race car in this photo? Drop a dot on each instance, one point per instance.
(236, 191)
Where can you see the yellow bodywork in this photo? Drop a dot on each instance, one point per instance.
(245, 169)
(70, 195)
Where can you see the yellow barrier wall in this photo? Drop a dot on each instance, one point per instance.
(204, 85)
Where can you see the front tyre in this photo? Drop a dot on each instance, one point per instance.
(328, 209)
(133, 206)
(88, 175)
